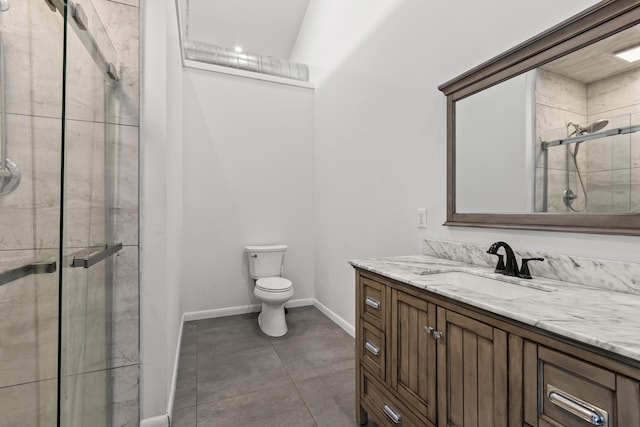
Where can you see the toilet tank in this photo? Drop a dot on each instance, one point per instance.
(265, 261)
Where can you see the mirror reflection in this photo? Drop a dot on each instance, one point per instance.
(561, 138)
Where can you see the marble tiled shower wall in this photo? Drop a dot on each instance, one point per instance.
(610, 166)
(29, 221)
(558, 100)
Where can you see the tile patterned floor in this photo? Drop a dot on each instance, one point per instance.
(231, 374)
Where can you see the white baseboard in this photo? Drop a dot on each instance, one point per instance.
(350, 329)
(221, 312)
(242, 309)
(302, 302)
(159, 421)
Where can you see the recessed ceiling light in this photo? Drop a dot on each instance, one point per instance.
(631, 55)
(238, 49)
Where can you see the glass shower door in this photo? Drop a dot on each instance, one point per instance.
(31, 58)
(60, 346)
(89, 252)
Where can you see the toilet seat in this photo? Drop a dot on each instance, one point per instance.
(274, 284)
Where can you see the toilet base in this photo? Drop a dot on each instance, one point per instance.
(272, 320)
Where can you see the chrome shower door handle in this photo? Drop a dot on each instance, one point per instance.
(9, 276)
(95, 258)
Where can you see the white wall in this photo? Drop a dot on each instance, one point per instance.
(380, 139)
(247, 180)
(160, 204)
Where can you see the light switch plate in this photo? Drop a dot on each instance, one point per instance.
(422, 217)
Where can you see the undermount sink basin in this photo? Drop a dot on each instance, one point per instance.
(488, 286)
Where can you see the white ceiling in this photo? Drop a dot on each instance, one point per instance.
(266, 27)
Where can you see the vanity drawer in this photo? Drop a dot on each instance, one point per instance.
(373, 302)
(388, 410)
(571, 390)
(372, 352)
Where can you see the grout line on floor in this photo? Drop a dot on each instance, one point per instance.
(293, 383)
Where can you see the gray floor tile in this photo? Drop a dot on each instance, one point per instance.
(235, 375)
(330, 398)
(189, 343)
(231, 337)
(186, 384)
(278, 406)
(226, 322)
(185, 417)
(306, 322)
(190, 328)
(311, 356)
(229, 375)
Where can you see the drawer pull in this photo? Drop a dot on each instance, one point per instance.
(372, 303)
(578, 407)
(392, 414)
(372, 348)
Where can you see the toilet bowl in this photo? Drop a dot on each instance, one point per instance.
(266, 266)
(273, 292)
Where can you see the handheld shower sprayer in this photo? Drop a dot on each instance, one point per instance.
(568, 196)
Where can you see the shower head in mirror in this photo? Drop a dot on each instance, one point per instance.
(596, 126)
(4, 5)
(593, 127)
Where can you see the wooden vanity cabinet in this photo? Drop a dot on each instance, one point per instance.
(424, 360)
(442, 368)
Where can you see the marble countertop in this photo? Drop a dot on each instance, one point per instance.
(602, 318)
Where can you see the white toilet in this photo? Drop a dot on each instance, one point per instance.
(266, 264)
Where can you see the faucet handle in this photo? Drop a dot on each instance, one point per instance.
(500, 265)
(524, 270)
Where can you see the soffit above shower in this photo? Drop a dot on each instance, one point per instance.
(597, 61)
(268, 28)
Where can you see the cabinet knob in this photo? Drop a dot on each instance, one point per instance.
(438, 335)
(429, 329)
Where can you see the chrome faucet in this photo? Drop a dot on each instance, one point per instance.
(510, 268)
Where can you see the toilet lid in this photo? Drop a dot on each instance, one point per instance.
(274, 284)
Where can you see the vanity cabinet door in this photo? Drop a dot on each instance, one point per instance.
(472, 372)
(413, 352)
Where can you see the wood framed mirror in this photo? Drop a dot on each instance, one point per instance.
(546, 136)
